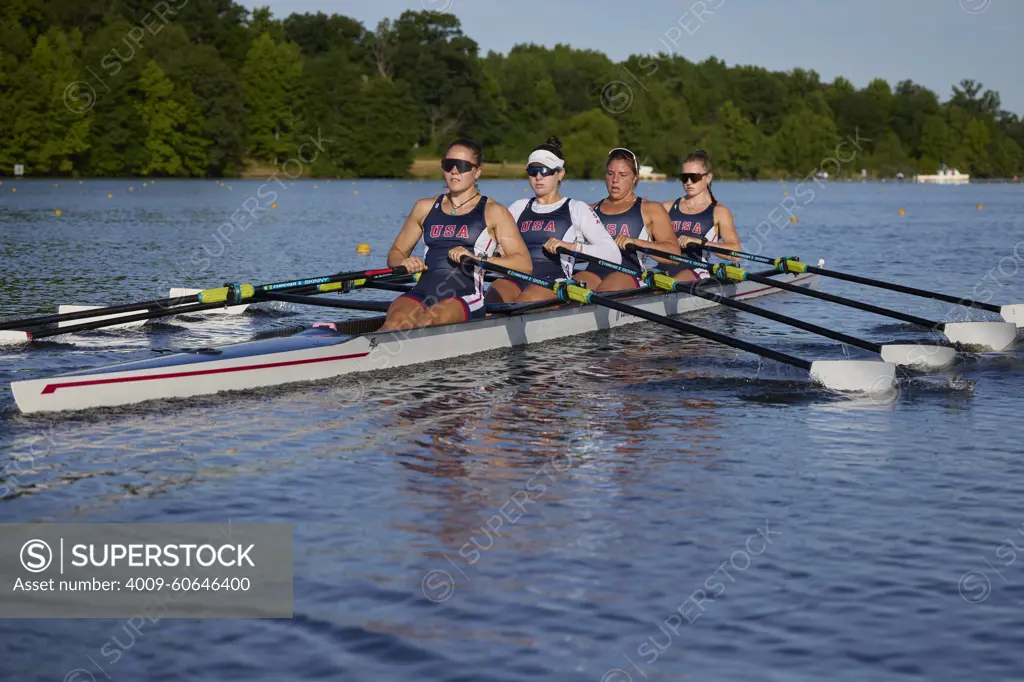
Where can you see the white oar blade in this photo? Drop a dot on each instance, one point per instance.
(12, 337)
(178, 292)
(918, 355)
(1013, 313)
(860, 376)
(994, 336)
(65, 309)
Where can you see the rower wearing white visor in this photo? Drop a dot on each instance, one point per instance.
(548, 221)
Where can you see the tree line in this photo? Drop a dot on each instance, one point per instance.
(206, 88)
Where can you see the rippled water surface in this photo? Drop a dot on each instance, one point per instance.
(668, 508)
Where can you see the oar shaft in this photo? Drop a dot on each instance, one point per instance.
(677, 325)
(375, 306)
(686, 328)
(98, 324)
(804, 291)
(857, 279)
(171, 306)
(698, 289)
(849, 302)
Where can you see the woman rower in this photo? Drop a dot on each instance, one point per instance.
(697, 216)
(549, 221)
(459, 223)
(629, 219)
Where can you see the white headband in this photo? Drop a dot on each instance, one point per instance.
(546, 158)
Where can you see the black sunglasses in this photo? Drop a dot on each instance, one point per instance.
(534, 171)
(447, 165)
(691, 177)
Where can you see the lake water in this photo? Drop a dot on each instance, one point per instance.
(833, 537)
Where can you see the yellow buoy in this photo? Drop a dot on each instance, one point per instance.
(273, 206)
(131, 189)
(110, 196)
(355, 191)
(57, 212)
(785, 194)
(14, 189)
(144, 184)
(979, 207)
(363, 249)
(903, 211)
(793, 219)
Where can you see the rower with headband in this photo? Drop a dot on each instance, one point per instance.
(549, 221)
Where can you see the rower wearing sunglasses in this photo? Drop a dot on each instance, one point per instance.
(453, 225)
(698, 216)
(629, 219)
(548, 221)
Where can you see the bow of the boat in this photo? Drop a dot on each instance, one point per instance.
(310, 355)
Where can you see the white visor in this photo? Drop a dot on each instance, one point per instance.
(546, 158)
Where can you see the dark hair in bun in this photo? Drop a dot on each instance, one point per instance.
(553, 145)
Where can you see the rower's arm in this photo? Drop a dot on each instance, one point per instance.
(596, 240)
(410, 234)
(660, 228)
(515, 255)
(728, 236)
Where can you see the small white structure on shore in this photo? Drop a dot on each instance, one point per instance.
(945, 176)
(647, 174)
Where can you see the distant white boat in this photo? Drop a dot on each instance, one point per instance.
(647, 174)
(945, 176)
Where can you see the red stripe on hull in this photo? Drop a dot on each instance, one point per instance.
(50, 388)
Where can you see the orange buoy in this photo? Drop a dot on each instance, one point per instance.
(903, 211)
(273, 206)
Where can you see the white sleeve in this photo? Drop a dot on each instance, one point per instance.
(517, 207)
(596, 240)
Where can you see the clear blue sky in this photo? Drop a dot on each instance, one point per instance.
(933, 42)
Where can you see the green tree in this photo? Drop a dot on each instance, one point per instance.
(588, 138)
(733, 142)
(937, 144)
(974, 148)
(271, 81)
(46, 134)
(805, 140)
(174, 142)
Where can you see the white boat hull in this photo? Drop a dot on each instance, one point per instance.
(320, 353)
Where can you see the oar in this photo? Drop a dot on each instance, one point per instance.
(235, 294)
(229, 294)
(840, 375)
(901, 354)
(1012, 312)
(994, 336)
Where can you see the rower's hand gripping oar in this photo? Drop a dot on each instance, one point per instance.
(1012, 312)
(995, 336)
(208, 299)
(840, 375)
(900, 354)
